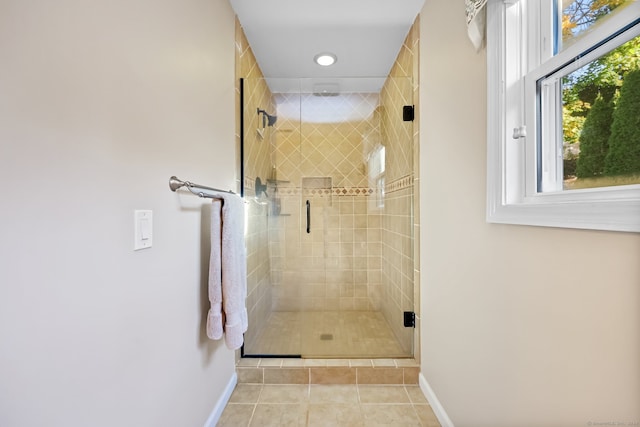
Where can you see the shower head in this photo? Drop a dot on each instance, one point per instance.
(267, 119)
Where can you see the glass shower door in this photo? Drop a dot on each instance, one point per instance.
(337, 229)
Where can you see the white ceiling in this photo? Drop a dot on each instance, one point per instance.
(365, 35)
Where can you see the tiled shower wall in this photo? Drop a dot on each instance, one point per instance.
(336, 266)
(399, 257)
(257, 163)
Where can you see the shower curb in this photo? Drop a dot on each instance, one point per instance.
(327, 371)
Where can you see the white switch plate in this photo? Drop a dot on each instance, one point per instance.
(143, 229)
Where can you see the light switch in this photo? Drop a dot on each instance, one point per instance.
(143, 229)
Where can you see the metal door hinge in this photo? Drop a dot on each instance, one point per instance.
(409, 319)
(408, 113)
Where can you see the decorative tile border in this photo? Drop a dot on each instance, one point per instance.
(325, 192)
(397, 185)
(353, 191)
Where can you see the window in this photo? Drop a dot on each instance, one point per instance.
(376, 163)
(564, 135)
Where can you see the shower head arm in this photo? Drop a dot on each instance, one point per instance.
(267, 119)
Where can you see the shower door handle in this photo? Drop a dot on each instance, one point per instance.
(308, 217)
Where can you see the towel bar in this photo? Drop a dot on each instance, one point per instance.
(175, 183)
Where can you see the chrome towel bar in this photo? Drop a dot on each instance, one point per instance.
(175, 183)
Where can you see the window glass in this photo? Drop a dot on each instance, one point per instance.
(600, 120)
(376, 162)
(580, 16)
(589, 130)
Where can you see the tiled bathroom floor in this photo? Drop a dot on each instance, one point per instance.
(327, 405)
(345, 334)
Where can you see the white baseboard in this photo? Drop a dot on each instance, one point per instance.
(222, 402)
(442, 416)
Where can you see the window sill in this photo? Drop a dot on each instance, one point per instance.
(595, 215)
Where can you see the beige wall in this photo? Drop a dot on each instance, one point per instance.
(522, 326)
(101, 103)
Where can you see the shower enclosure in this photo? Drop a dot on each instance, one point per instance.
(328, 176)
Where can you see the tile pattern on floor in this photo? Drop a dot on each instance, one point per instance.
(327, 405)
(328, 371)
(346, 334)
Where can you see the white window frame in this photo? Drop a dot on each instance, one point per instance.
(513, 58)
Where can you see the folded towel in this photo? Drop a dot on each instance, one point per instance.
(228, 272)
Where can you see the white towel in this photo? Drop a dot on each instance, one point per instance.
(214, 318)
(227, 272)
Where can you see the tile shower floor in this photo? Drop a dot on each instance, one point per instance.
(327, 405)
(318, 334)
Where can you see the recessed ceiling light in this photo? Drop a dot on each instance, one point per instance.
(325, 59)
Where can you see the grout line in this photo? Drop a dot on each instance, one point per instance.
(416, 407)
(255, 407)
(404, 387)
